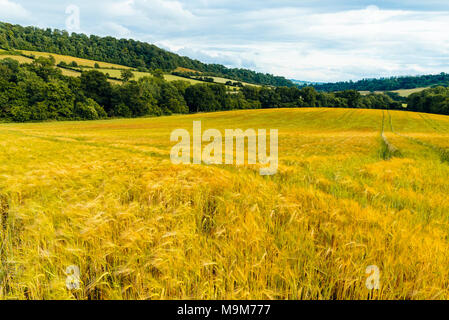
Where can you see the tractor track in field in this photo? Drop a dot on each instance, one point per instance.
(442, 152)
(433, 124)
(430, 123)
(387, 150)
(347, 114)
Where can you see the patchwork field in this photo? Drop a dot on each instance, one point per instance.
(355, 188)
(114, 70)
(68, 59)
(138, 75)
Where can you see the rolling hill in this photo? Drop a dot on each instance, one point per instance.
(124, 52)
(112, 70)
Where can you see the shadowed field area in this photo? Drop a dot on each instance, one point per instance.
(354, 188)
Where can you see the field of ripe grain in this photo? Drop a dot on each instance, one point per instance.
(104, 196)
(402, 92)
(68, 59)
(20, 59)
(181, 69)
(224, 80)
(114, 70)
(137, 75)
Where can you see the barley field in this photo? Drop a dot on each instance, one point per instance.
(138, 75)
(355, 188)
(20, 59)
(68, 59)
(402, 92)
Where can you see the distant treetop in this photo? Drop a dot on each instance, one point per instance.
(387, 84)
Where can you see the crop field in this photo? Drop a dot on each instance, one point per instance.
(355, 188)
(114, 70)
(181, 69)
(224, 80)
(407, 92)
(138, 75)
(168, 77)
(171, 77)
(402, 92)
(20, 59)
(68, 59)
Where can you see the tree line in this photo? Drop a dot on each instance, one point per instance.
(433, 100)
(387, 84)
(131, 53)
(38, 91)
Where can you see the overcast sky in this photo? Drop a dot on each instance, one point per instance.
(315, 40)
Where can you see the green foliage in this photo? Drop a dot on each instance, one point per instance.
(158, 73)
(95, 85)
(387, 84)
(201, 98)
(20, 114)
(171, 100)
(89, 110)
(127, 75)
(434, 100)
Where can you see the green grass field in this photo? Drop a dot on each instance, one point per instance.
(354, 188)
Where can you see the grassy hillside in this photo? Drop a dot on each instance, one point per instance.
(126, 52)
(114, 70)
(68, 59)
(137, 75)
(355, 188)
(15, 57)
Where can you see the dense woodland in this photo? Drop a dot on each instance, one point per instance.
(434, 100)
(387, 84)
(38, 91)
(130, 53)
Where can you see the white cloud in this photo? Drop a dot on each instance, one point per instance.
(319, 40)
(115, 29)
(297, 43)
(10, 10)
(149, 10)
(120, 9)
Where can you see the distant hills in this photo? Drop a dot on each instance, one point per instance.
(385, 84)
(304, 83)
(131, 53)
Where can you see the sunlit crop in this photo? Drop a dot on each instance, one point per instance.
(105, 197)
